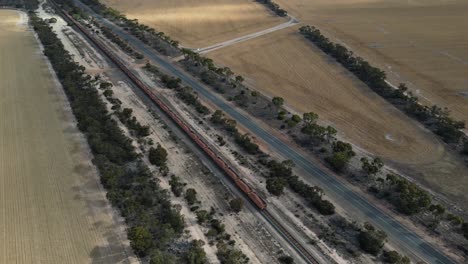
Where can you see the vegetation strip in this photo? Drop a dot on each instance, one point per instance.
(223, 81)
(152, 222)
(274, 7)
(434, 118)
(157, 40)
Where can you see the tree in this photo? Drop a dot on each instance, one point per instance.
(196, 254)
(465, 148)
(217, 117)
(342, 153)
(236, 204)
(338, 161)
(465, 230)
(278, 101)
(158, 257)
(276, 185)
(393, 257)
(176, 186)
(141, 240)
(310, 118)
(286, 260)
(108, 93)
(239, 79)
(191, 196)
(158, 156)
(105, 85)
(330, 133)
(373, 167)
(202, 216)
(437, 211)
(371, 240)
(229, 255)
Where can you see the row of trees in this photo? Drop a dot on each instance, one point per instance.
(281, 175)
(132, 124)
(435, 118)
(26, 4)
(274, 7)
(230, 125)
(275, 184)
(152, 221)
(158, 40)
(117, 40)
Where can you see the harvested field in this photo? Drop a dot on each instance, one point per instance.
(52, 208)
(198, 23)
(311, 81)
(423, 42)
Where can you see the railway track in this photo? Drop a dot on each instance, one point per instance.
(241, 184)
(290, 238)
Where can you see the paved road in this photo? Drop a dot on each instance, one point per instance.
(349, 199)
(291, 22)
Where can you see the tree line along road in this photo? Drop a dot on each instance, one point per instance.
(352, 201)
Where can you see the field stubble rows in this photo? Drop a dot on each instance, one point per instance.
(52, 208)
(284, 64)
(198, 23)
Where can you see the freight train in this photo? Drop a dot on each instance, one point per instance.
(240, 183)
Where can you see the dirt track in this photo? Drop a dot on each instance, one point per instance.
(52, 208)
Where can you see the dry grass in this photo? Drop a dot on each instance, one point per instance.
(199, 23)
(310, 81)
(421, 42)
(52, 209)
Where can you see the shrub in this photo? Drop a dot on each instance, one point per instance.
(236, 204)
(371, 240)
(158, 156)
(276, 185)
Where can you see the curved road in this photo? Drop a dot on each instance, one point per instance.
(349, 199)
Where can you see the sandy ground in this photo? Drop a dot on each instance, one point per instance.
(311, 81)
(74, 43)
(199, 23)
(421, 42)
(245, 229)
(52, 208)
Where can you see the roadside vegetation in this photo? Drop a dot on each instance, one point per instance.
(403, 195)
(23, 4)
(274, 7)
(153, 224)
(158, 156)
(117, 40)
(157, 40)
(435, 118)
(406, 197)
(280, 176)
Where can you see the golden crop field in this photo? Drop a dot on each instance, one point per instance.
(52, 209)
(285, 64)
(199, 23)
(421, 42)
